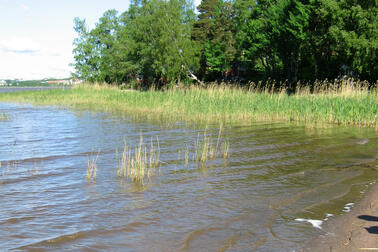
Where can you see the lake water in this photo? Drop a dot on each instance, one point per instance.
(19, 89)
(272, 193)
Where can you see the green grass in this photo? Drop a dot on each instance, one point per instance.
(346, 102)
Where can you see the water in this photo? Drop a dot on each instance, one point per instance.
(278, 180)
(19, 89)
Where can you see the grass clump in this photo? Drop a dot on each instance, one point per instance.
(4, 117)
(346, 102)
(205, 149)
(92, 168)
(140, 163)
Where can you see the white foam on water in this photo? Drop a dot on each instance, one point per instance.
(327, 216)
(347, 207)
(314, 223)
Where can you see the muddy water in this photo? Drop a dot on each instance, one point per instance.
(272, 194)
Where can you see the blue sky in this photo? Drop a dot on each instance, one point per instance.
(36, 35)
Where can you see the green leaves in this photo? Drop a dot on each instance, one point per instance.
(152, 39)
(163, 41)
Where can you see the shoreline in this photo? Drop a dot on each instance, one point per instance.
(223, 104)
(354, 231)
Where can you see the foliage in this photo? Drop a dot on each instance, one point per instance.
(163, 42)
(151, 40)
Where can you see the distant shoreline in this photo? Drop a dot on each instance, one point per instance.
(18, 89)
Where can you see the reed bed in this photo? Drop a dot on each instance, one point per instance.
(139, 163)
(345, 102)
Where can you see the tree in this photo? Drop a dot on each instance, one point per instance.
(214, 32)
(257, 41)
(94, 49)
(345, 35)
(220, 47)
(152, 39)
(202, 29)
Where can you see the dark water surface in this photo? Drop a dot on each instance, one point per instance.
(278, 179)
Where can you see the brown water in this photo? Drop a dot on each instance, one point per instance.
(277, 176)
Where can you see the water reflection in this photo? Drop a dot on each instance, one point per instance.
(275, 174)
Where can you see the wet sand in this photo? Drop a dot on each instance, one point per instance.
(355, 231)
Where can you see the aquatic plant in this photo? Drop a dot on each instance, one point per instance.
(92, 167)
(4, 117)
(204, 148)
(139, 163)
(339, 102)
(10, 165)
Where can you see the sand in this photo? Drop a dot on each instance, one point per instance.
(355, 231)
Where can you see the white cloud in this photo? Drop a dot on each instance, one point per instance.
(20, 45)
(24, 7)
(27, 59)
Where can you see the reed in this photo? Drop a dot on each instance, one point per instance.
(140, 163)
(4, 117)
(345, 102)
(208, 150)
(205, 149)
(92, 167)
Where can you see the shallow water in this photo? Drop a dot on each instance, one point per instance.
(276, 174)
(19, 89)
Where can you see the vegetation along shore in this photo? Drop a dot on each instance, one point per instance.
(346, 102)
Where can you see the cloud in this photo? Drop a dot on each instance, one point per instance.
(27, 59)
(22, 45)
(24, 7)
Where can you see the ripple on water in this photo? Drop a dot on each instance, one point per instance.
(280, 183)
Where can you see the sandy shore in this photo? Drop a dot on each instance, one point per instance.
(355, 231)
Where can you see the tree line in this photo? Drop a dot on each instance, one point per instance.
(166, 41)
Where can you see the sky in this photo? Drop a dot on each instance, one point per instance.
(36, 35)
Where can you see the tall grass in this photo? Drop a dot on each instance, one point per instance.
(140, 163)
(204, 149)
(338, 102)
(92, 168)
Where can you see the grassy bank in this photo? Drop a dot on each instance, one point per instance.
(347, 102)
